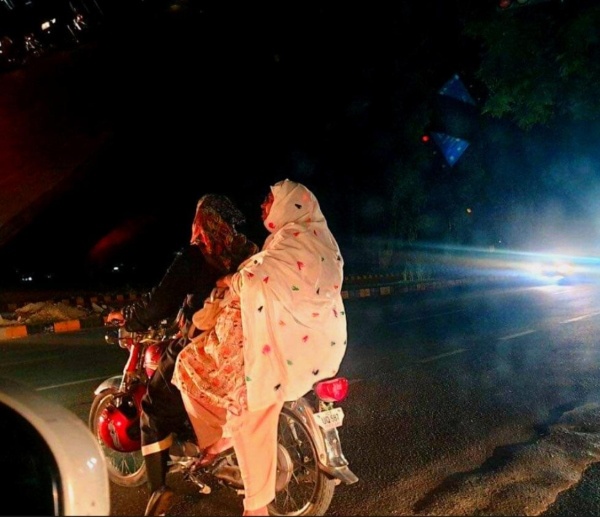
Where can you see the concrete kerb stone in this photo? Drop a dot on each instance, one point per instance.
(16, 331)
(402, 287)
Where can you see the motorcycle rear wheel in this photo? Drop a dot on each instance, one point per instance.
(126, 469)
(302, 488)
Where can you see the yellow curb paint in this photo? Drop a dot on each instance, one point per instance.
(12, 332)
(67, 326)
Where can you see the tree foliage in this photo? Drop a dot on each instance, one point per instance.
(539, 63)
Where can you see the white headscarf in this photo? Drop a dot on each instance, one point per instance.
(293, 315)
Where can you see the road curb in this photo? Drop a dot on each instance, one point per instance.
(386, 290)
(17, 331)
(351, 293)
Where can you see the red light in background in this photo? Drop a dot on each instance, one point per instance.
(425, 138)
(504, 4)
(117, 238)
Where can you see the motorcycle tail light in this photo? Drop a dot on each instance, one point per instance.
(332, 390)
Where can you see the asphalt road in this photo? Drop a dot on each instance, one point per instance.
(464, 402)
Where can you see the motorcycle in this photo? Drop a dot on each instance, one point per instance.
(310, 461)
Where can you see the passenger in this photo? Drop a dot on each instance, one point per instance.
(287, 300)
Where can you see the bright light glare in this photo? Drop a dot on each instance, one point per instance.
(551, 268)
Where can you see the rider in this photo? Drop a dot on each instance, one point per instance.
(216, 248)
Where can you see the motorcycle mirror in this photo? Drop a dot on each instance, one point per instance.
(112, 337)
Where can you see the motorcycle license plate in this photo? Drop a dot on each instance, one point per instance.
(330, 418)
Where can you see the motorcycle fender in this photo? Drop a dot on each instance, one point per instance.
(111, 382)
(329, 447)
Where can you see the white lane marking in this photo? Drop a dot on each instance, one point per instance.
(579, 318)
(447, 354)
(352, 381)
(72, 383)
(518, 334)
(427, 316)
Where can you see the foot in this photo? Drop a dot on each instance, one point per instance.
(159, 502)
(209, 458)
(214, 451)
(258, 511)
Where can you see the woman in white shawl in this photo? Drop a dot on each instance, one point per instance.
(292, 310)
(294, 329)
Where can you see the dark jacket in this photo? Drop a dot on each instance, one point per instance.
(187, 282)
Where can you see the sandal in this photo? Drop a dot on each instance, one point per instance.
(207, 459)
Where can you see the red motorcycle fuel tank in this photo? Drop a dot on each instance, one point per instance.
(152, 356)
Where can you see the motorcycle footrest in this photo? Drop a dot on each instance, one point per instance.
(343, 473)
(203, 488)
(229, 474)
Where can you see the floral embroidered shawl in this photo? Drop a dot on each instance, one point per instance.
(293, 315)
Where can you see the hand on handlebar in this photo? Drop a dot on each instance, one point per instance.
(115, 318)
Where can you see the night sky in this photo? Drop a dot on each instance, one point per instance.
(230, 98)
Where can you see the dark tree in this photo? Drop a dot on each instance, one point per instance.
(540, 63)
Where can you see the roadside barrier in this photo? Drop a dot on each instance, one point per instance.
(352, 290)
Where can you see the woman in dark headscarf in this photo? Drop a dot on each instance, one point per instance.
(216, 248)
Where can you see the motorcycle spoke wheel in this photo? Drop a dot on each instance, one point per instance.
(124, 468)
(302, 488)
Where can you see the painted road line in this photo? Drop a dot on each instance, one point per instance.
(428, 316)
(441, 356)
(579, 318)
(518, 334)
(56, 386)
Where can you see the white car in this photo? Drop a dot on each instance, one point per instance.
(51, 463)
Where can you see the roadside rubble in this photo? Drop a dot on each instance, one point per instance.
(40, 313)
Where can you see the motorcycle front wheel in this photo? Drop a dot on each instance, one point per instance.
(124, 468)
(302, 488)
